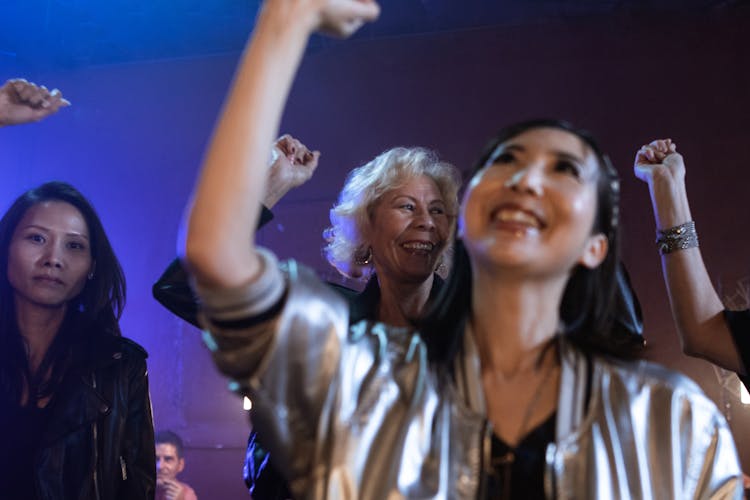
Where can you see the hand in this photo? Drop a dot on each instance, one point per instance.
(173, 490)
(292, 164)
(343, 17)
(339, 18)
(24, 102)
(293, 161)
(659, 159)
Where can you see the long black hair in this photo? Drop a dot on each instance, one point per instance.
(95, 311)
(587, 307)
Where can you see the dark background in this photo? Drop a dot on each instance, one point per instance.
(147, 80)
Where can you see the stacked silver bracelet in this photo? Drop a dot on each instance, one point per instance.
(676, 238)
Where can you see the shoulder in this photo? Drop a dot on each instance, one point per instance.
(131, 348)
(639, 377)
(115, 348)
(189, 493)
(305, 288)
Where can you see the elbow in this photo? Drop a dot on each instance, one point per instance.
(691, 350)
(219, 267)
(202, 262)
(198, 251)
(692, 345)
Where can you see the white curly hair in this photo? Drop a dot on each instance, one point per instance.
(346, 250)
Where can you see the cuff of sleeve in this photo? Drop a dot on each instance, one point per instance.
(245, 301)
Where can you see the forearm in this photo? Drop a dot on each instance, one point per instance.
(696, 307)
(232, 184)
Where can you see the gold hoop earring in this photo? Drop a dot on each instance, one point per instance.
(363, 259)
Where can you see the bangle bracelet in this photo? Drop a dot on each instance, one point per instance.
(676, 238)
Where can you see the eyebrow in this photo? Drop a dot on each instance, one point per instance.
(35, 226)
(436, 200)
(517, 147)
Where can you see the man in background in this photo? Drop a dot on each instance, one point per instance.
(169, 463)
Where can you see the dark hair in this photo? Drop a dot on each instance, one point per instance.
(169, 437)
(586, 309)
(96, 310)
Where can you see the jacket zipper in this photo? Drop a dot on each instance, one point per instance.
(550, 483)
(485, 458)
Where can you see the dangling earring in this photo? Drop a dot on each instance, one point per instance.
(363, 259)
(91, 275)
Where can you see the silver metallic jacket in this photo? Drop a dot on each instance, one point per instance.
(357, 412)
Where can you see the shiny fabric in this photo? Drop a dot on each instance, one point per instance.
(262, 480)
(99, 443)
(357, 412)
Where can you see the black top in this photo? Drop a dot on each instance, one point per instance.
(96, 432)
(519, 472)
(25, 426)
(739, 325)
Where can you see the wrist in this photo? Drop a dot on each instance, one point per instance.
(276, 188)
(289, 15)
(673, 239)
(670, 202)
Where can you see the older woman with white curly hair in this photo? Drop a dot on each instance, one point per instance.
(391, 226)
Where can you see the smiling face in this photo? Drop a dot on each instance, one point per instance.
(408, 231)
(532, 208)
(49, 256)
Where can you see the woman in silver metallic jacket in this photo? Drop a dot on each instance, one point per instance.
(508, 389)
(75, 413)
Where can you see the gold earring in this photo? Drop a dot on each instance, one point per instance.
(363, 259)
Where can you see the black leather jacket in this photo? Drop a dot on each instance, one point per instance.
(99, 443)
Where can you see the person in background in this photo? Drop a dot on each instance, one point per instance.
(76, 413)
(25, 102)
(170, 462)
(707, 330)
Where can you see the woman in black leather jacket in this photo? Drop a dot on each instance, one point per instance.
(76, 415)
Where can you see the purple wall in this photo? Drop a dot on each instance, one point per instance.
(133, 139)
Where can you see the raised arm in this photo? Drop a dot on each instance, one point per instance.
(25, 102)
(291, 165)
(231, 186)
(696, 307)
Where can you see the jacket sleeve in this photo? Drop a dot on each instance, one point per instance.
(739, 325)
(284, 356)
(139, 467)
(172, 289)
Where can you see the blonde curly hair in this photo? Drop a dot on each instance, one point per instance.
(365, 186)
